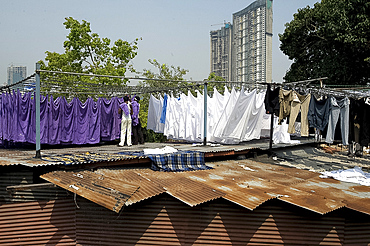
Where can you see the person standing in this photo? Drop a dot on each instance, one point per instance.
(137, 134)
(126, 111)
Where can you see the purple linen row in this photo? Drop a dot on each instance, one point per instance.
(61, 122)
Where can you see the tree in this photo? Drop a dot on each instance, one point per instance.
(86, 52)
(331, 39)
(168, 79)
(219, 86)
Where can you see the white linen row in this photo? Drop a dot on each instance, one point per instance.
(234, 117)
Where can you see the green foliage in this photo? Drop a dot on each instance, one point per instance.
(332, 40)
(86, 52)
(211, 85)
(153, 137)
(170, 77)
(171, 83)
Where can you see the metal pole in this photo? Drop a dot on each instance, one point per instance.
(271, 132)
(37, 102)
(205, 114)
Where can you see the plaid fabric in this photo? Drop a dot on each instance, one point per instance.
(179, 161)
(159, 162)
(175, 162)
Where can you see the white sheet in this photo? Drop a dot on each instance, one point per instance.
(354, 175)
(154, 114)
(232, 118)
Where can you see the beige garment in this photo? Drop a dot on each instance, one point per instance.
(285, 99)
(299, 103)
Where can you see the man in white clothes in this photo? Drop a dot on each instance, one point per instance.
(126, 111)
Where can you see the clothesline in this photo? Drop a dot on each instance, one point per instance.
(143, 89)
(7, 87)
(223, 126)
(350, 94)
(200, 82)
(233, 117)
(304, 81)
(248, 89)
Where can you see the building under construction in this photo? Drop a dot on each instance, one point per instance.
(242, 51)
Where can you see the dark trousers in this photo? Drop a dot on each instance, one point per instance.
(137, 134)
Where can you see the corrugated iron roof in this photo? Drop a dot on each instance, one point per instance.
(188, 191)
(111, 153)
(105, 191)
(97, 154)
(65, 157)
(244, 182)
(147, 188)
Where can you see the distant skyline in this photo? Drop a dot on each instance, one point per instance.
(173, 32)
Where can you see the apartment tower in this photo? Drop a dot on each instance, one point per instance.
(15, 74)
(242, 51)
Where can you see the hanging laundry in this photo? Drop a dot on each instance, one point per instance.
(216, 106)
(164, 109)
(110, 123)
(338, 107)
(318, 113)
(171, 127)
(285, 100)
(231, 118)
(272, 104)
(155, 110)
(359, 120)
(244, 121)
(193, 117)
(300, 103)
(217, 135)
(60, 121)
(281, 135)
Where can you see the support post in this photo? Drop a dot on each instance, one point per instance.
(271, 132)
(205, 113)
(37, 102)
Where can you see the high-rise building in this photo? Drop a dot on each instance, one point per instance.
(221, 50)
(16, 73)
(246, 56)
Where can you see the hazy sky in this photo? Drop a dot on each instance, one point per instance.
(172, 31)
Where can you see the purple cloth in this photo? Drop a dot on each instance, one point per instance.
(60, 122)
(124, 108)
(110, 120)
(135, 113)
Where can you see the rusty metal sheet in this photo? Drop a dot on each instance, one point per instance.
(239, 187)
(282, 175)
(327, 195)
(246, 183)
(38, 223)
(86, 158)
(167, 221)
(68, 155)
(26, 158)
(147, 189)
(307, 190)
(188, 191)
(105, 191)
(249, 184)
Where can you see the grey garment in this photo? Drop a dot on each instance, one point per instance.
(338, 108)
